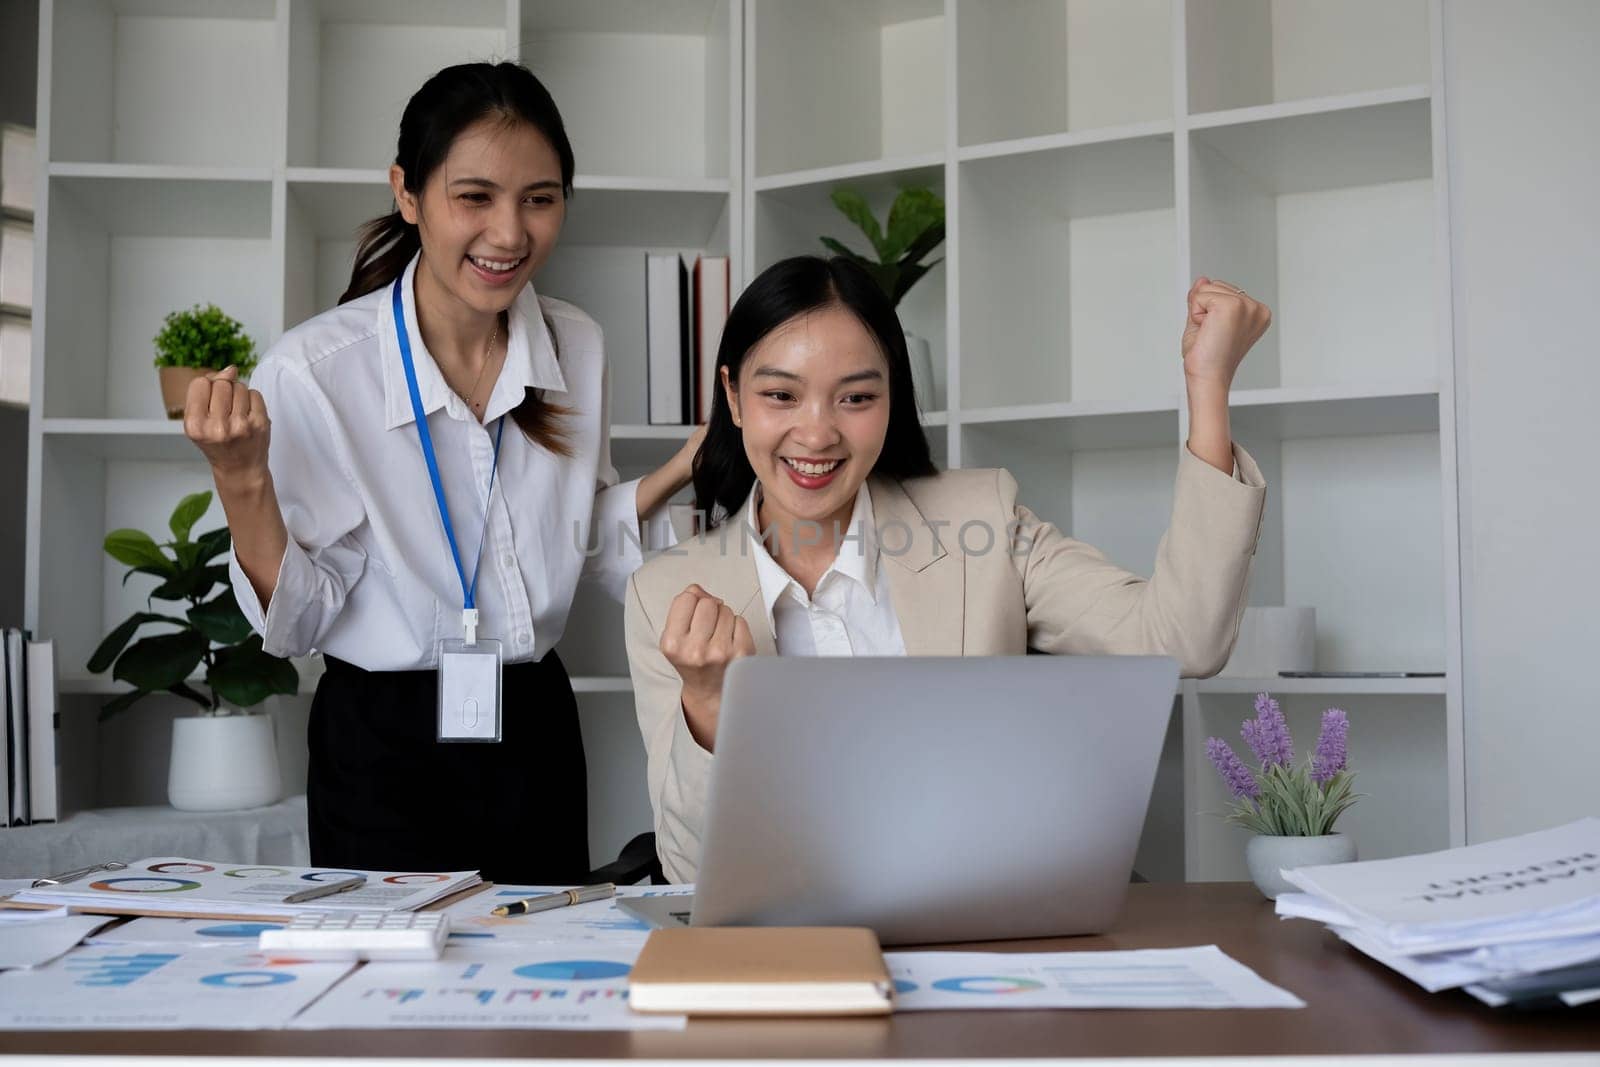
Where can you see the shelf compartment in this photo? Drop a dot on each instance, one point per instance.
(599, 265)
(1397, 749)
(1077, 427)
(790, 220)
(320, 238)
(353, 65)
(90, 487)
(134, 439)
(1052, 66)
(1243, 53)
(1333, 411)
(1068, 274)
(116, 96)
(126, 252)
(882, 94)
(1118, 499)
(643, 88)
(1318, 214)
(1352, 528)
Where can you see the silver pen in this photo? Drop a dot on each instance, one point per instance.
(326, 889)
(72, 876)
(546, 901)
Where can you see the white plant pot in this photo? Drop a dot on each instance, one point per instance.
(921, 371)
(1273, 639)
(1266, 855)
(223, 762)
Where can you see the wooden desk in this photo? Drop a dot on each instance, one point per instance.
(1354, 1006)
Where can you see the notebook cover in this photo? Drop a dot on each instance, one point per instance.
(831, 969)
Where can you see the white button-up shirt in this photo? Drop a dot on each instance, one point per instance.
(850, 613)
(368, 575)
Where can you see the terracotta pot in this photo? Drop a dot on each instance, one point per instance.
(175, 387)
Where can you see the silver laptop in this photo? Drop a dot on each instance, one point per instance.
(933, 799)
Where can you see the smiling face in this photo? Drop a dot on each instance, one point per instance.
(489, 215)
(812, 404)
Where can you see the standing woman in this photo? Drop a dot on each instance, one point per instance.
(438, 481)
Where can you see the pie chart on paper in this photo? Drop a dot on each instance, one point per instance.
(573, 970)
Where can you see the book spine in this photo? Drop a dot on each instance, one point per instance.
(685, 346)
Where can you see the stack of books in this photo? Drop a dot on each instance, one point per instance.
(685, 310)
(28, 791)
(1514, 922)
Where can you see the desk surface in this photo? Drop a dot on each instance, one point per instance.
(1353, 1006)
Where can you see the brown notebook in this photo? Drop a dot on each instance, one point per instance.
(761, 970)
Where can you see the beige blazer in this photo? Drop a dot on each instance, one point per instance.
(952, 597)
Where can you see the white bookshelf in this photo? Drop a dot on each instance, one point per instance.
(239, 174)
(1095, 155)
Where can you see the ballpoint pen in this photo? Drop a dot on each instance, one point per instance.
(72, 876)
(326, 889)
(546, 901)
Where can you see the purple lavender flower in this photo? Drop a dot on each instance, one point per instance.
(1241, 783)
(1268, 734)
(1329, 758)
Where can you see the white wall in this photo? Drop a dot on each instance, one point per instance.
(1521, 85)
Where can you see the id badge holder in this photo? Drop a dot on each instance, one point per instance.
(469, 688)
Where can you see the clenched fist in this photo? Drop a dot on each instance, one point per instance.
(228, 420)
(1223, 323)
(701, 637)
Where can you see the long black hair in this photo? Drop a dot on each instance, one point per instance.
(446, 105)
(723, 476)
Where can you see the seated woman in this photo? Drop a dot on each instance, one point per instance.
(831, 533)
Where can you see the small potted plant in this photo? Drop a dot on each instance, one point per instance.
(915, 228)
(199, 341)
(1290, 808)
(224, 758)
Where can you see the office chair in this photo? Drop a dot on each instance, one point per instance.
(636, 861)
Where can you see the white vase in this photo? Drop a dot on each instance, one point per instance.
(223, 762)
(921, 354)
(1273, 639)
(1267, 854)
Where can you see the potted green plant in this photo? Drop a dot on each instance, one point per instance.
(223, 758)
(914, 228)
(199, 341)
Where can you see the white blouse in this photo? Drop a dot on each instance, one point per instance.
(850, 614)
(368, 575)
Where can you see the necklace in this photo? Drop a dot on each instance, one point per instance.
(488, 352)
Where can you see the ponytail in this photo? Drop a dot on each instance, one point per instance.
(383, 248)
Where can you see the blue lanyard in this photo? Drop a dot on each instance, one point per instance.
(468, 589)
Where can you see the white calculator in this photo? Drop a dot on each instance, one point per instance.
(362, 935)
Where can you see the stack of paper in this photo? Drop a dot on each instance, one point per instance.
(1514, 921)
(174, 886)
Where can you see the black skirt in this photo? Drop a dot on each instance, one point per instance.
(384, 794)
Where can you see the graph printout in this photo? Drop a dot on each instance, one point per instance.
(1200, 977)
(580, 986)
(121, 987)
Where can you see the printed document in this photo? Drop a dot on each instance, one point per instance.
(1534, 887)
(200, 887)
(1199, 977)
(548, 986)
(472, 927)
(120, 988)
